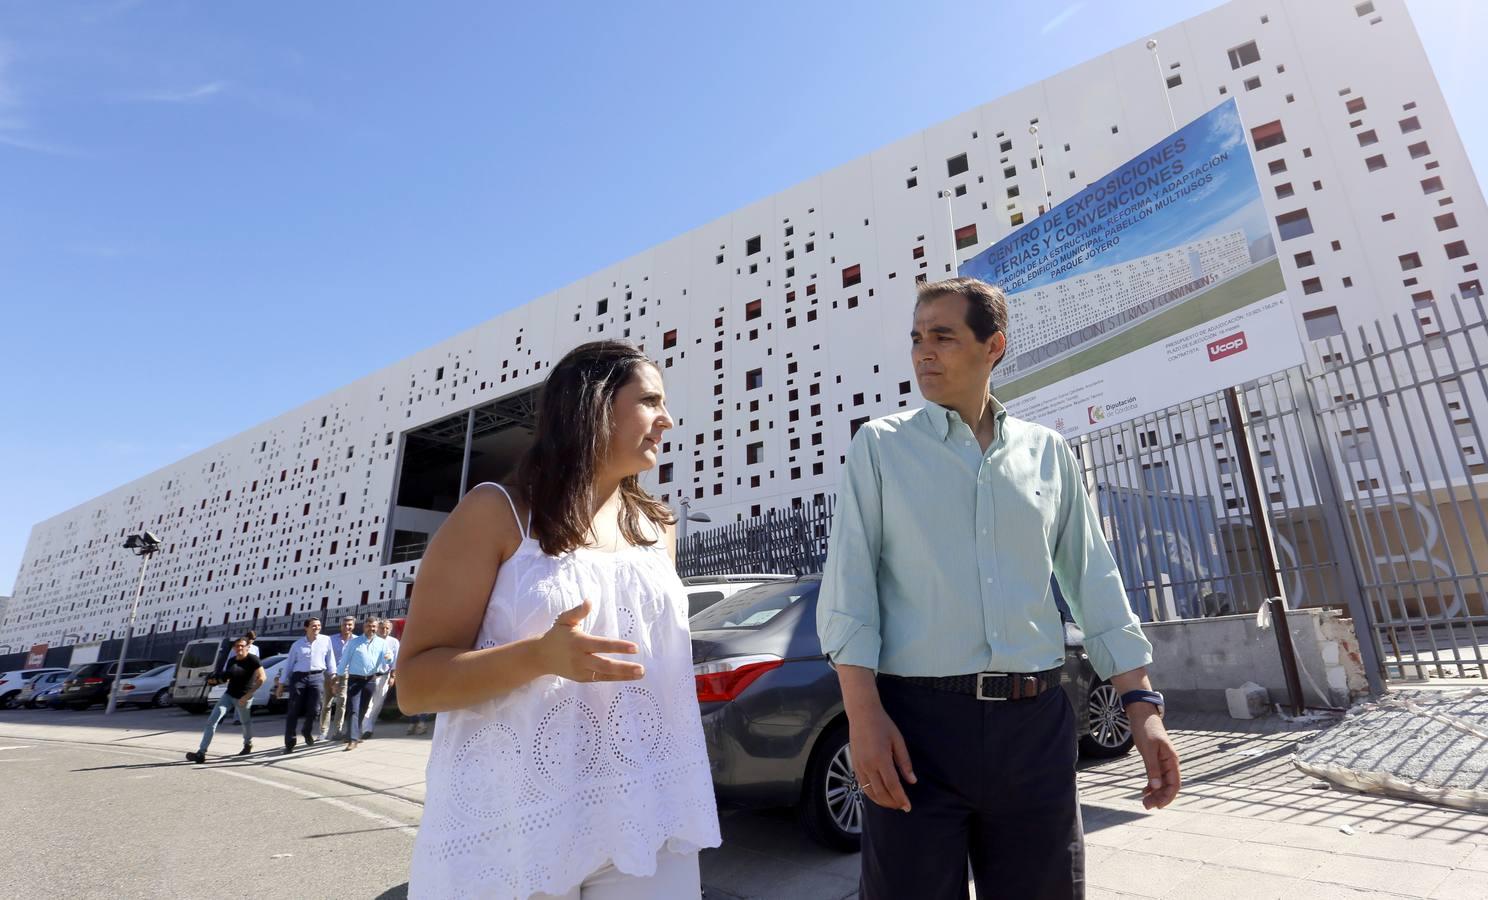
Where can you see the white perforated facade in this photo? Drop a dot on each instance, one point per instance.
(783, 323)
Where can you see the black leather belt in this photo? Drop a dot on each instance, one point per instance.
(990, 685)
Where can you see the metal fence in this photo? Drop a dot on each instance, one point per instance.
(1353, 482)
(1404, 400)
(167, 645)
(786, 541)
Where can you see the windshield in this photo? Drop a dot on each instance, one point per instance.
(754, 607)
(94, 670)
(158, 670)
(199, 655)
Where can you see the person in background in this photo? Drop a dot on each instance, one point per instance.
(387, 675)
(335, 685)
(303, 675)
(419, 724)
(243, 674)
(363, 656)
(248, 636)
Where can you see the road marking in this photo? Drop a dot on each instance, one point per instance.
(380, 819)
(17, 747)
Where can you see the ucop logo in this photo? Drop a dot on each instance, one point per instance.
(1228, 345)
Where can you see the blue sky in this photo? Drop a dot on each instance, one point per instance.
(212, 212)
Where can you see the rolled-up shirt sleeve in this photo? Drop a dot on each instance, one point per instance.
(1091, 583)
(847, 614)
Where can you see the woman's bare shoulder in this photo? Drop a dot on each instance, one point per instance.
(485, 515)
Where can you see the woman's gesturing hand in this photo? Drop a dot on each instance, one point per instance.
(569, 652)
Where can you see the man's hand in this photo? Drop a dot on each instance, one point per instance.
(244, 700)
(1158, 756)
(879, 757)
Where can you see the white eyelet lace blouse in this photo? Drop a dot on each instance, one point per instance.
(533, 791)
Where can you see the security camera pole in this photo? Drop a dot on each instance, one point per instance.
(144, 546)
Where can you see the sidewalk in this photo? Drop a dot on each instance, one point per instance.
(1248, 824)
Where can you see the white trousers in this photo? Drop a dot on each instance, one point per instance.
(374, 709)
(676, 878)
(333, 710)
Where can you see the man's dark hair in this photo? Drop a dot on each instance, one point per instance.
(311, 619)
(987, 305)
(250, 636)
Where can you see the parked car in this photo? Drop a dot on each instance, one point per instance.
(203, 658)
(31, 693)
(773, 718)
(705, 590)
(264, 696)
(12, 683)
(50, 696)
(152, 688)
(90, 683)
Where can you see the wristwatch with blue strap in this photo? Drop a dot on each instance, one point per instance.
(1144, 696)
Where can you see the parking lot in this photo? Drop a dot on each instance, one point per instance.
(1247, 825)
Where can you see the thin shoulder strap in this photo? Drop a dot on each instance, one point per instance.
(516, 515)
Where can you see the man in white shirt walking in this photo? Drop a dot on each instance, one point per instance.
(335, 704)
(304, 674)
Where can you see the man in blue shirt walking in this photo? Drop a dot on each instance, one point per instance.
(304, 674)
(361, 660)
(937, 610)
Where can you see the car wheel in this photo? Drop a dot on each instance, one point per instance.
(161, 699)
(1110, 733)
(9, 700)
(831, 803)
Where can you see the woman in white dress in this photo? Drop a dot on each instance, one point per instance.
(548, 630)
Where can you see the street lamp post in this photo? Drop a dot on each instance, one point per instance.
(688, 516)
(1162, 83)
(1038, 150)
(143, 546)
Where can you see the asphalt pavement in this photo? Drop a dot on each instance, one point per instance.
(90, 820)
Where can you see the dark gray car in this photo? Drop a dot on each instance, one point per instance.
(772, 709)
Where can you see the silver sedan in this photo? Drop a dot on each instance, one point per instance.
(152, 688)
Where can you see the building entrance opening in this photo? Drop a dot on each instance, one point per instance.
(444, 459)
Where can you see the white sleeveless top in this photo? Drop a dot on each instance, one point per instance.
(535, 790)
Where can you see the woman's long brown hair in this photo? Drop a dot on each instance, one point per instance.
(574, 424)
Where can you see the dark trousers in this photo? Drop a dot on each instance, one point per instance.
(359, 691)
(306, 691)
(996, 786)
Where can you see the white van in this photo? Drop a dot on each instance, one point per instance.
(204, 657)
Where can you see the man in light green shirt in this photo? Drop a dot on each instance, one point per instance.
(937, 610)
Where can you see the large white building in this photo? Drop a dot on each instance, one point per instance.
(783, 324)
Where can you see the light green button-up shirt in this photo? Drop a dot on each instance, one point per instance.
(941, 554)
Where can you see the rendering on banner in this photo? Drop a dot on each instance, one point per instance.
(1156, 283)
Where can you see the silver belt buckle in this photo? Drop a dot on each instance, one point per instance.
(980, 681)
